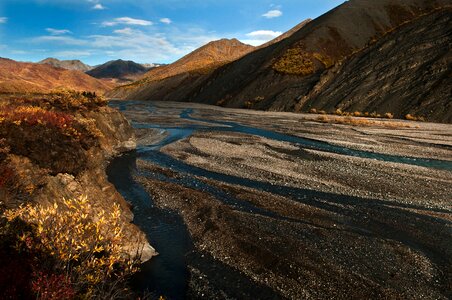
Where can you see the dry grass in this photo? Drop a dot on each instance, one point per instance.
(295, 62)
(353, 121)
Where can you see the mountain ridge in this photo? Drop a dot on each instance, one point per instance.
(21, 77)
(122, 70)
(190, 69)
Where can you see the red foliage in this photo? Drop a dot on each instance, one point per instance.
(35, 115)
(6, 175)
(52, 286)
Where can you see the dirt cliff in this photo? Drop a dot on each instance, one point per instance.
(58, 146)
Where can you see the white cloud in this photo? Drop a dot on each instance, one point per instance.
(273, 14)
(166, 21)
(3, 20)
(99, 6)
(126, 31)
(127, 21)
(264, 34)
(63, 40)
(259, 37)
(53, 31)
(131, 43)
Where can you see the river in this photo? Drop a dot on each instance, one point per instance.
(172, 272)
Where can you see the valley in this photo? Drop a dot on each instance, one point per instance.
(278, 208)
(226, 149)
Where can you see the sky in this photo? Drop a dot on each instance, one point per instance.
(145, 31)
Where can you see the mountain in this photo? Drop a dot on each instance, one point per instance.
(277, 77)
(19, 77)
(119, 69)
(382, 56)
(406, 72)
(172, 82)
(74, 65)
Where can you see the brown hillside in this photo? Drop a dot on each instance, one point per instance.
(196, 64)
(407, 72)
(279, 76)
(19, 77)
(212, 54)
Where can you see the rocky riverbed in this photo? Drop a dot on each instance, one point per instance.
(280, 205)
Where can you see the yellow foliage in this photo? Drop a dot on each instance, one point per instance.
(325, 60)
(85, 242)
(295, 62)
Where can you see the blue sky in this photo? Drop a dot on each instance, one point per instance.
(146, 31)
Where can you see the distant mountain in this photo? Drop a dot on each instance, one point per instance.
(75, 65)
(121, 70)
(174, 80)
(19, 77)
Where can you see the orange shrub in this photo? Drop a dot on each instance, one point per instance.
(32, 115)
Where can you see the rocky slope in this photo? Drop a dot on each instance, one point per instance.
(71, 144)
(174, 81)
(118, 69)
(74, 65)
(406, 72)
(19, 77)
(278, 76)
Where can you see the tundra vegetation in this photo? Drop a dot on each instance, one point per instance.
(59, 248)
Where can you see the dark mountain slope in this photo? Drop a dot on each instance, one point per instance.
(406, 72)
(118, 69)
(278, 76)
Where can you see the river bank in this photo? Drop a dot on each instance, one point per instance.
(367, 214)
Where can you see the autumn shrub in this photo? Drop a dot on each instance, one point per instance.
(353, 121)
(295, 62)
(64, 100)
(54, 140)
(325, 60)
(389, 115)
(32, 115)
(86, 245)
(411, 117)
(6, 175)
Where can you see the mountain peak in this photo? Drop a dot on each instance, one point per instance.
(74, 65)
(125, 70)
(214, 53)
